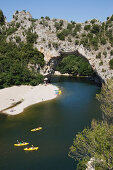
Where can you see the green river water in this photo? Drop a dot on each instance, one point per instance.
(60, 118)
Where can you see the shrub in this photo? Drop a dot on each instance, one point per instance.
(111, 64)
(103, 41)
(11, 30)
(76, 42)
(111, 19)
(70, 26)
(111, 52)
(47, 18)
(2, 18)
(105, 53)
(98, 55)
(83, 35)
(17, 25)
(94, 42)
(18, 39)
(93, 21)
(58, 25)
(66, 32)
(101, 63)
(49, 44)
(61, 36)
(31, 37)
(61, 22)
(55, 45)
(87, 27)
(78, 27)
(95, 29)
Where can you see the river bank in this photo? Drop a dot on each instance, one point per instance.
(25, 96)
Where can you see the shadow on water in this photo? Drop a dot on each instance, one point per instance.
(61, 119)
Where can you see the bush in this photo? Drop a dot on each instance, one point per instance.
(93, 21)
(103, 41)
(76, 42)
(70, 26)
(18, 39)
(2, 18)
(94, 42)
(61, 36)
(95, 29)
(101, 63)
(111, 64)
(105, 53)
(58, 25)
(31, 37)
(11, 30)
(17, 25)
(47, 18)
(99, 55)
(87, 27)
(111, 52)
(66, 32)
(55, 45)
(78, 27)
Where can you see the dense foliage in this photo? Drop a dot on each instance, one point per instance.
(93, 35)
(31, 37)
(106, 99)
(2, 18)
(76, 65)
(96, 143)
(111, 63)
(14, 62)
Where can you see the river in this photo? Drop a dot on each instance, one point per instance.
(60, 118)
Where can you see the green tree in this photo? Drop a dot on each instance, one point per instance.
(87, 27)
(106, 99)
(31, 37)
(61, 36)
(2, 18)
(111, 64)
(94, 143)
(73, 64)
(95, 29)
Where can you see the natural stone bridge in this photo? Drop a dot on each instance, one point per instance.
(51, 58)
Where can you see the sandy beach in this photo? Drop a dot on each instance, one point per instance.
(28, 95)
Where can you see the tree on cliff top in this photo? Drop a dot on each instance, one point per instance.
(2, 18)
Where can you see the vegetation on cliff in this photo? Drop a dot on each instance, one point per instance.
(93, 35)
(106, 99)
(76, 65)
(97, 142)
(15, 60)
(94, 143)
(2, 18)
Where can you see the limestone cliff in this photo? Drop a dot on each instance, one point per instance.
(56, 37)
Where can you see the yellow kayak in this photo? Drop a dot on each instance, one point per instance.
(21, 144)
(31, 148)
(33, 130)
(60, 92)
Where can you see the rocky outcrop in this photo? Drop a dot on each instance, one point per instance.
(52, 47)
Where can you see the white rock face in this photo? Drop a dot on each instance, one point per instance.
(47, 40)
(90, 164)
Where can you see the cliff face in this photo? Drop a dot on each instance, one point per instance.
(53, 40)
